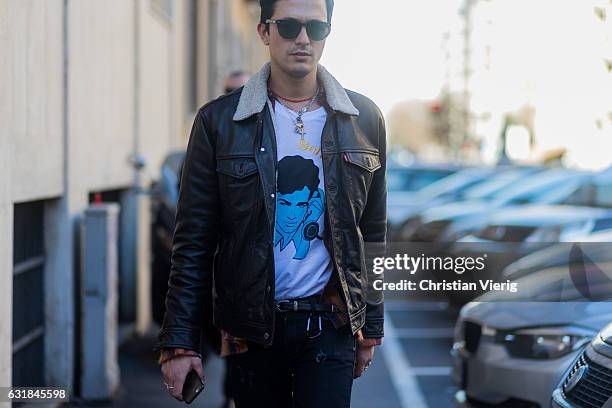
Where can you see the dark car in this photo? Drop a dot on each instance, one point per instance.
(164, 198)
(588, 381)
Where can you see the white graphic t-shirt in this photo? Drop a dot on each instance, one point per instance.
(302, 262)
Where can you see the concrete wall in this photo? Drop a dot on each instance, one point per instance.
(36, 96)
(100, 93)
(154, 85)
(6, 204)
(31, 153)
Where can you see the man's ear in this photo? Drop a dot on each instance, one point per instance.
(264, 34)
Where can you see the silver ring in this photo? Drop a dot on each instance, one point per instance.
(168, 386)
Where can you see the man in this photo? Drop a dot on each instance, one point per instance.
(282, 190)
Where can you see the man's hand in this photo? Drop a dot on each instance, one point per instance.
(175, 371)
(363, 358)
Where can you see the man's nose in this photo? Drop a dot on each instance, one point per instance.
(302, 37)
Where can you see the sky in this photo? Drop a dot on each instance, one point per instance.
(389, 50)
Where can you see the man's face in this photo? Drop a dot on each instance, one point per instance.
(300, 56)
(291, 209)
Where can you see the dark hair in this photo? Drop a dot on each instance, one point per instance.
(295, 173)
(267, 9)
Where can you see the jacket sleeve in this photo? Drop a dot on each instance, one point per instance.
(194, 244)
(373, 226)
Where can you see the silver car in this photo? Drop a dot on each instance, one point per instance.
(512, 349)
(513, 354)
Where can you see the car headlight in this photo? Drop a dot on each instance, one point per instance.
(543, 343)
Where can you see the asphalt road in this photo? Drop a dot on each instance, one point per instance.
(420, 335)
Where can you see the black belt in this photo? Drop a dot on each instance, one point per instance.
(304, 306)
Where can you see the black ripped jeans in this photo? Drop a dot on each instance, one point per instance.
(296, 371)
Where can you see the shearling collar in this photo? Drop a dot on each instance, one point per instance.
(255, 94)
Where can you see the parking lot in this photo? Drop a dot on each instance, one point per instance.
(415, 353)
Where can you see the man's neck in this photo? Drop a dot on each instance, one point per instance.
(291, 87)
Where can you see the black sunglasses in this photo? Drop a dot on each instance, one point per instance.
(290, 28)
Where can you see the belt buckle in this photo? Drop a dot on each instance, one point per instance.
(285, 302)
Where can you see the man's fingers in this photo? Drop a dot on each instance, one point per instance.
(177, 391)
(175, 371)
(196, 364)
(364, 358)
(359, 367)
(358, 371)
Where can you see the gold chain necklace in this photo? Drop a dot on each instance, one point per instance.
(299, 123)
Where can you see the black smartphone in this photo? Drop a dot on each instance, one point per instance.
(193, 386)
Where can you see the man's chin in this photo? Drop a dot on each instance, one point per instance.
(300, 70)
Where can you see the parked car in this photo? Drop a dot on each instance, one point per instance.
(164, 198)
(450, 222)
(403, 205)
(598, 243)
(510, 350)
(588, 381)
(516, 232)
(506, 177)
(557, 186)
(405, 179)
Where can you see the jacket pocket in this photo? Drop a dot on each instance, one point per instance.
(359, 168)
(366, 160)
(239, 183)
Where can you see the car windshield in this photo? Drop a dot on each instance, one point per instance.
(457, 182)
(407, 179)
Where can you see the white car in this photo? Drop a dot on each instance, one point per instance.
(511, 349)
(512, 354)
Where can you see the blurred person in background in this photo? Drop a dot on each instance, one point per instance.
(235, 80)
(283, 184)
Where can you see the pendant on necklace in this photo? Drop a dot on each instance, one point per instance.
(299, 127)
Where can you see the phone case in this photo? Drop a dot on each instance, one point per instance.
(193, 386)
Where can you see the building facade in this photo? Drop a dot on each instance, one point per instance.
(94, 95)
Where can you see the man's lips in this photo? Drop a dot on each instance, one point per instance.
(301, 54)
